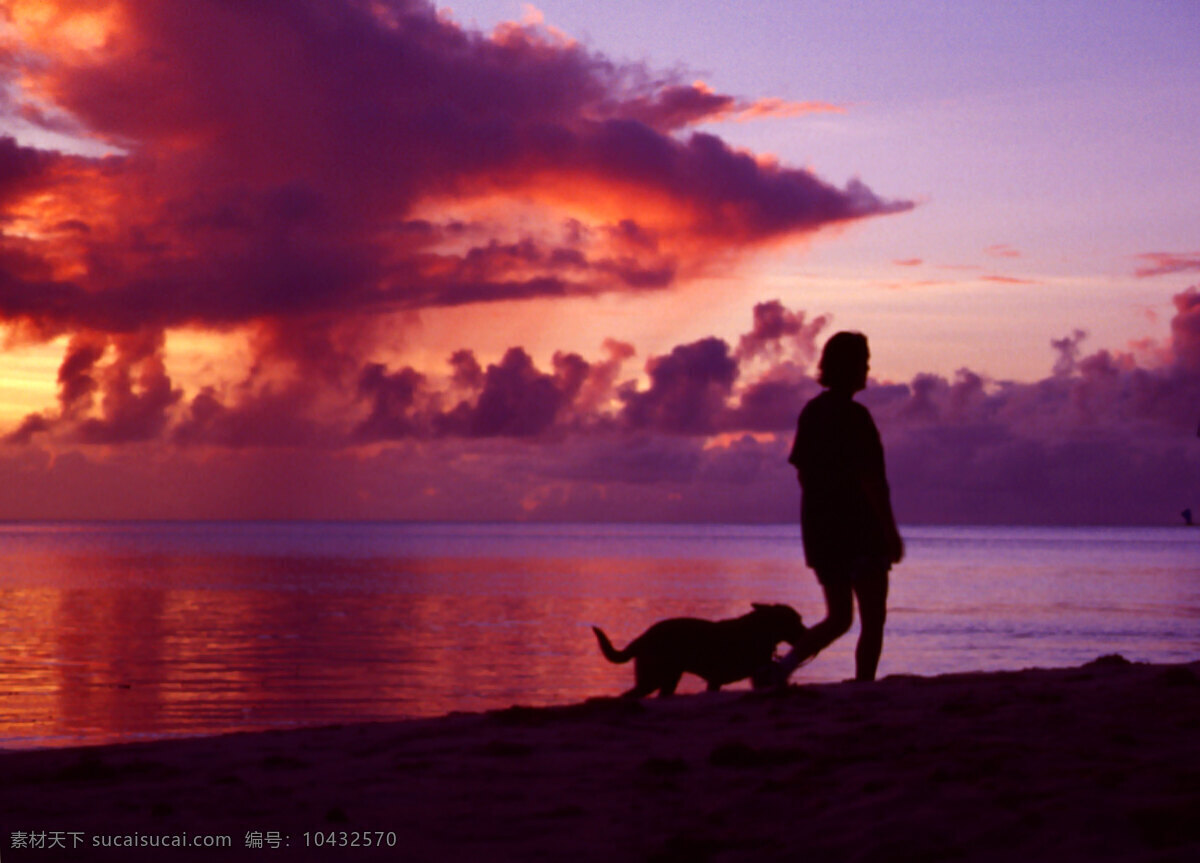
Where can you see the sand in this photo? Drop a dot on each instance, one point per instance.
(1094, 763)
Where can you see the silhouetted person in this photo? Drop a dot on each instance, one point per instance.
(849, 532)
(1187, 517)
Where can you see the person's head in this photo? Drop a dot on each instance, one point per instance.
(844, 362)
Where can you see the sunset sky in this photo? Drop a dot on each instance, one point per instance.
(492, 260)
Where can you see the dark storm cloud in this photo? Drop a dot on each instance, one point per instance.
(21, 167)
(1102, 437)
(516, 400)
(391, 397)
(274, 143)
(689, 388)
(272, 417)
(132, 393)
(298, 165)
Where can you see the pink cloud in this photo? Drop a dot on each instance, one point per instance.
(673, 106)
(770, 108)
(1008, 280)
(1102, 438)
(1166, 263)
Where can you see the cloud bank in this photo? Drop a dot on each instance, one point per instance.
(697, 432)
(288, 159)
(306, 174)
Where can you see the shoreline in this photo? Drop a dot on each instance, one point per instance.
(1097, 762)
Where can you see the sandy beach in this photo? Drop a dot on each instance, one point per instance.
(1100, 762)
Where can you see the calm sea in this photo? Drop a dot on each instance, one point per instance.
(115, 632)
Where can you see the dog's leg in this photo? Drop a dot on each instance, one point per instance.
(669, 684)
(645, 680)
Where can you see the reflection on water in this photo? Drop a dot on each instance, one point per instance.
(116, 632)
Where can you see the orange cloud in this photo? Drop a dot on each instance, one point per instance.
(303, 176)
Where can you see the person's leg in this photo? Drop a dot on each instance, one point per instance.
(839, 614)
(871, 589)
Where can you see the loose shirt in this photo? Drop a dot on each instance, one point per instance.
(839, 457)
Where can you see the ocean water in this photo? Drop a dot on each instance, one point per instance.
(116, 632)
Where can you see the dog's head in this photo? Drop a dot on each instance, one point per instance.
(781, 621)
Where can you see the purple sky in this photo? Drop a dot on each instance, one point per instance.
(491, 261)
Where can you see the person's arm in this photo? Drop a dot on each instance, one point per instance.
(875, 490)
(874, 484)
(800, 444)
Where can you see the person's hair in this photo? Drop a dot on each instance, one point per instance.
(841, 358)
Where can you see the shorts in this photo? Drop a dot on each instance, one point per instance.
(858, 571)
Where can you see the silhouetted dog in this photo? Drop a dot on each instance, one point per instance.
(719, 651)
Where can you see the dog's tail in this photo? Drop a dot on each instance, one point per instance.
(606, 647)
